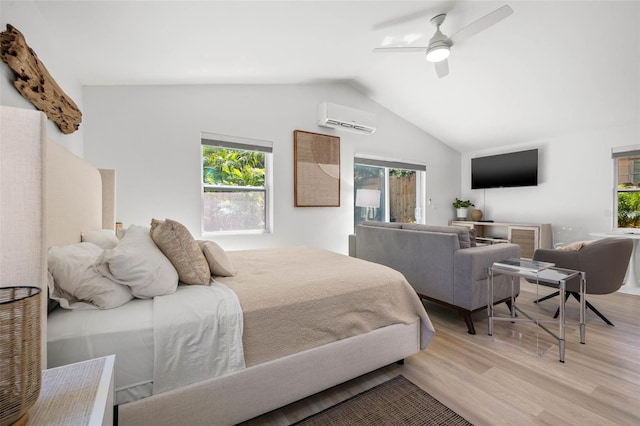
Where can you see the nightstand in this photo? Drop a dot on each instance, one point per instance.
(76, 394)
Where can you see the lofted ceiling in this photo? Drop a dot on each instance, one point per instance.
(551, 68)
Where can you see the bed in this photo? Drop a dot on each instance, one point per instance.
(290, 351)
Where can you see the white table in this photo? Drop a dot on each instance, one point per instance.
(76, 394)
(631, 280)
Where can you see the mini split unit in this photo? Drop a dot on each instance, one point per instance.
(345, 118)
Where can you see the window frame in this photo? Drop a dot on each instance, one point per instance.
(243, 144)
(632, 153)
(388, 164)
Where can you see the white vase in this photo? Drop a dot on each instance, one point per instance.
(461, 213)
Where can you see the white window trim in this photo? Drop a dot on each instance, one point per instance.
(421, 181)
(617, 153)
(236, 142)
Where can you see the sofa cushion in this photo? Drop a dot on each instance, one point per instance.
(462, 231)
(472, 237)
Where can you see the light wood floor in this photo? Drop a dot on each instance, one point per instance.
(514, 377)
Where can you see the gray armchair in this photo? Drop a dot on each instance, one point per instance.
(604, 262)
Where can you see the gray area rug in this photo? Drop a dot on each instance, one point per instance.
(394, 402)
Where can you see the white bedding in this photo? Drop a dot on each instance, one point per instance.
(284, 309)
(183, 322)
(126, 331)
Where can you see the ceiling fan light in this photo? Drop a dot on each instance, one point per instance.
(438, 52)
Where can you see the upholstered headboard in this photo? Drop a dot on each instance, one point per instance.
(78, 196)
(48, 196)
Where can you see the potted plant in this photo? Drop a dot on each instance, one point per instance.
(462, 207)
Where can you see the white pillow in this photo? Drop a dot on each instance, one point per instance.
(105, 238)
(139, 264)
(75, 280)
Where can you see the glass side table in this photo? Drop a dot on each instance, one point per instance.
(537, 272)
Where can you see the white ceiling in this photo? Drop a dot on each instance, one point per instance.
(552, 68)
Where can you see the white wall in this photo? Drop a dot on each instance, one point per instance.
(576, 188)
(151, 136)
(26, 18)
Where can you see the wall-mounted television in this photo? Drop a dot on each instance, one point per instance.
(505, 170)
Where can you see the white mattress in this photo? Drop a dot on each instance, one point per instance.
(126, 332)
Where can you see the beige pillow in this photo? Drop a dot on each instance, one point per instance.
(575, 246)
(219, 263)
(176, 242)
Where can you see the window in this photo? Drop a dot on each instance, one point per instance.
(627, 188)
(235, 184)
(388, 191)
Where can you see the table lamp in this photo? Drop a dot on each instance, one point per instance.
(370, 200)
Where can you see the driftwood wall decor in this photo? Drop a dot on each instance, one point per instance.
(35, 83)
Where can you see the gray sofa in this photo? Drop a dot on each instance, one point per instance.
(442, 263)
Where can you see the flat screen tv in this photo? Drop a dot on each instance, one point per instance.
(505, 170)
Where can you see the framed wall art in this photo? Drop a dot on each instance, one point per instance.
(316, 168)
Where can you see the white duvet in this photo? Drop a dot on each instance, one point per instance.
(197, 335)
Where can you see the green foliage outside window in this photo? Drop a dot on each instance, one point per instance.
(226, 208)
(232, 167)
(401, 172)
(628, 209)
(628, 191)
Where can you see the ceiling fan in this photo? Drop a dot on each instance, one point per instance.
(440, 45)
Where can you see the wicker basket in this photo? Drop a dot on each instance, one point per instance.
(20, 372)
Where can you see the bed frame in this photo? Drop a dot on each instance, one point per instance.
(77, 197)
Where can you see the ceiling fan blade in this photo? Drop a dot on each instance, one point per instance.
(442, 68)
(412, 49)
(393, 22)
(442, 6)
(481, 24)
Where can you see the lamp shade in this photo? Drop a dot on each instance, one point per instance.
(20, 371)
(368, 198)
(439, 47)
(438, 52)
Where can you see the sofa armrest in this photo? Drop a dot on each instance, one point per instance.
(352, 245)
(475, 261)
(471, 269)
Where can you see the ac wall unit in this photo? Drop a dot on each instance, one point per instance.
(345, 118)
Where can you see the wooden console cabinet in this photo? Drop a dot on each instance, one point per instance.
(529, 237)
